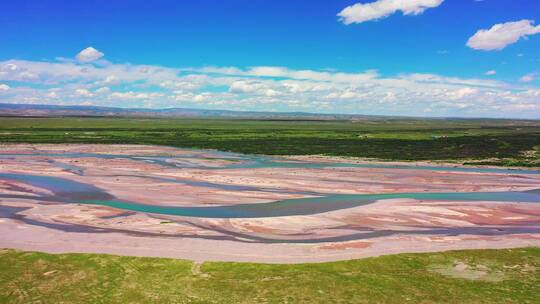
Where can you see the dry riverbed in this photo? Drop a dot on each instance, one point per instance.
(231, 207)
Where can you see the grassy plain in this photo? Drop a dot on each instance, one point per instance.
(473, 276)
(490, 142)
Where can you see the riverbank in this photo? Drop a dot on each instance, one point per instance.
(439, 163)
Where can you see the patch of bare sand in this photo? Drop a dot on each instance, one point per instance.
(469, 271)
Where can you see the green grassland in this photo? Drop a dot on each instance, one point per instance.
(473, 276)
(489, 142)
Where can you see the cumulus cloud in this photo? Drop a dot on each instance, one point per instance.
(89, 54)
(362, 12)
(83, 93)
(463, 92)
(501, 35)
(134, 95)
(60, 72)
(490, 73)
(263, 88)
(4, 87)
(103, 90)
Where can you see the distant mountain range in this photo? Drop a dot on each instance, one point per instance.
(40, 110)
(34, 110)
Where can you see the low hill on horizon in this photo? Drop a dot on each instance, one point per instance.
(43, 110)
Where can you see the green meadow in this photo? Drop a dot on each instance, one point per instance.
(488, 142)
(473, 276)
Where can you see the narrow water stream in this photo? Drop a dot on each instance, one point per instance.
(80, 193)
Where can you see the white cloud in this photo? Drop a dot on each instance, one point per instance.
(134, 95)
(103, 90)
(186, 83)
(462, 93)
(282, 72)
(529, 77)
(111, 79)
(4, 87)
(501, 35)
(89, 54)
(83, 93)
(362, 12)
(490, 73)
(265, 88)
(437, 79)
(243, 86)
(61, 72)
(11, 71)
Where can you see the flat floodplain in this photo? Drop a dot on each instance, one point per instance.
(478, 141)
(207, 205)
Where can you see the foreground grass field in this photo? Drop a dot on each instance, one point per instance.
(489, 142)
(473, 276)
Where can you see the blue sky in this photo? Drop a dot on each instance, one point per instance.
(416, 57)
